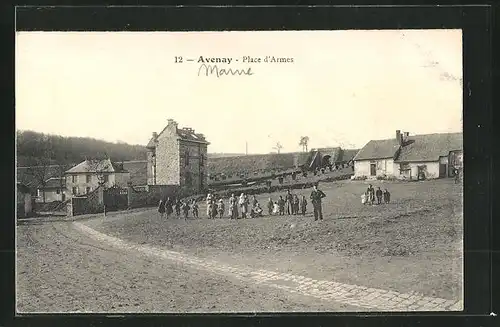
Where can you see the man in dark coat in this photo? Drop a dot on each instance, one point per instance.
(316, 196)
(378, 193)
(289, 203)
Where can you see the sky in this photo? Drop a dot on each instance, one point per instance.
(343, 88)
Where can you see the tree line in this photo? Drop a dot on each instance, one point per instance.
(39, 149)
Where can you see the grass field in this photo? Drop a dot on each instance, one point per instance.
(412, 244)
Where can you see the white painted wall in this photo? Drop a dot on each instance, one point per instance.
(383, 167)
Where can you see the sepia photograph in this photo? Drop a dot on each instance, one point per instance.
(239, 171)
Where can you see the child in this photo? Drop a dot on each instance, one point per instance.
(194, 207)
(177, 207)
(281, 204)
(220, 208)
(270, 205)
(379, 195)
(303, 205)
(363, 198)
(185, 209)
(161, 208)
(387, 196)
(276, 208)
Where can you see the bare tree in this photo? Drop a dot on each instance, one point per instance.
(278, 147)
(41, 167)
(304, 141)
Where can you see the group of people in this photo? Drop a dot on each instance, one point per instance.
(291, 203)
(167, 207)
(372, 196)
(243, 207)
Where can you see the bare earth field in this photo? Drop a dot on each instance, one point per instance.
(413, 244)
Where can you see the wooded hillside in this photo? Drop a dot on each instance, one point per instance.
(35, 149)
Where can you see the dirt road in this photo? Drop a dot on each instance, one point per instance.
(60, 269)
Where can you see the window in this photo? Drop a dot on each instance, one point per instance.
(202, 159)
(106, 178)
(188, 178)
(186, 158)
(58, 191)
(74, 178)
(38, 193)
(89, 178)
(75, 190)
(87, 190)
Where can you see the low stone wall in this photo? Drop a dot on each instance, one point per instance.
(90, 203)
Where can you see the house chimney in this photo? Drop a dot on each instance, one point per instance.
(171, 122)
(398, 136)
(405, 136)
(155, 136)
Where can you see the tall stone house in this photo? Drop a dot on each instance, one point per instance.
(178, 157)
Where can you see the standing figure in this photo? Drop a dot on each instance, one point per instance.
(168, 207)
(161, 208)
(303, 205)
(233, 207)
(281, 205)
(289, 202)
(177, 207)
(387, 196)
(195, 207)
(371, 194)
(209, 205)
(270, 206)
(243, 202)
(316, 196)
(185, 209)
(379, 195)
(296, 204)
(220, 208)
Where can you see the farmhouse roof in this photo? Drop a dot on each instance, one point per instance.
(429, 147)
(349, 154)
(94, 166)
(53, 182)
(378, 149)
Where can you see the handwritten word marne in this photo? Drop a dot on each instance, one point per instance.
(214, 70)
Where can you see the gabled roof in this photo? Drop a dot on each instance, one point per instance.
(429, 147)
(349, 154)
(54, 182)
(378, 149)
(93, 166)
(151, 144)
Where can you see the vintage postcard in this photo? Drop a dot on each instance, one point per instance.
(258, 171)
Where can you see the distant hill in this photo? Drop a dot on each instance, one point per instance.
(34, 149)
(224, 155)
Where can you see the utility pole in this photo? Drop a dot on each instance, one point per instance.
(246, 148)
